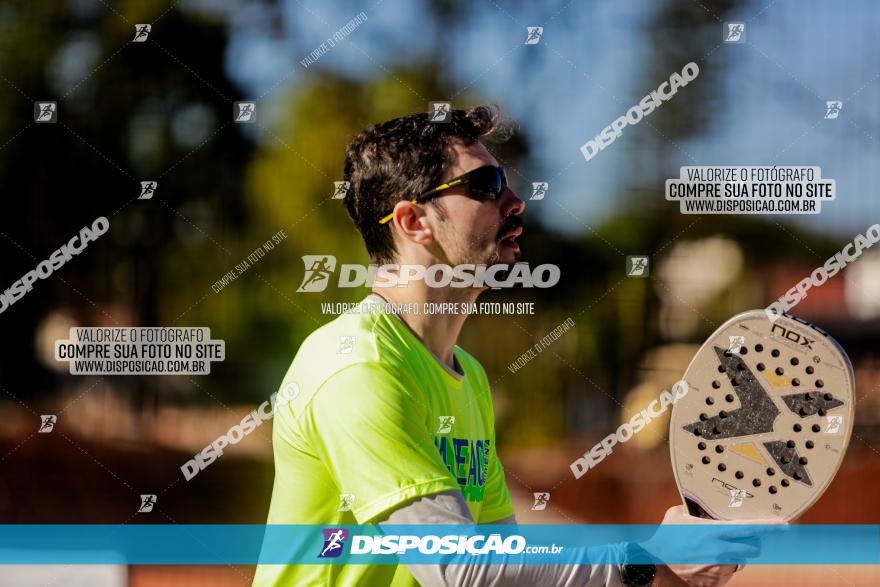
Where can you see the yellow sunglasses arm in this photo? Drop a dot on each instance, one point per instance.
(387, 219)
(439, 188)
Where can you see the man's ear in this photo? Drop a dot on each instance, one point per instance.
(413, 224)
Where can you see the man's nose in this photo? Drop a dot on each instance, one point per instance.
(511, 205)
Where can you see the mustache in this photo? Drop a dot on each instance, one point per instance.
(511, 223)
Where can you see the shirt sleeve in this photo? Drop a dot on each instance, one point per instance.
(450, 508)
(371, 431)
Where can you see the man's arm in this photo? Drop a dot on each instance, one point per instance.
(449, 507)
(511, 519)
(353, 432)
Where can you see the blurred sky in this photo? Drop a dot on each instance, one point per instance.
(592, 64)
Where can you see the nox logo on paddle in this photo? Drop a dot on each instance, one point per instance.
(334, 541)
(793, 336)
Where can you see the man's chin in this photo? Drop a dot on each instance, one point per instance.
(503, 254)
(509, 252)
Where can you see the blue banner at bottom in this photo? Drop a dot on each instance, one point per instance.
(448, 544)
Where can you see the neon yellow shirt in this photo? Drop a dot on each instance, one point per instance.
(377, 421)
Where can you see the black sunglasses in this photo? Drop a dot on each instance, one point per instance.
(484, 183)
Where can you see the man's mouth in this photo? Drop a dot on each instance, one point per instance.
(511, 231)
(509, 237)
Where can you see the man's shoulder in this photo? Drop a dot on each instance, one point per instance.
(470, 364)
(350, 342)
(347, 334)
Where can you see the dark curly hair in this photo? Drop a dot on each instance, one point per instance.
(404, 157)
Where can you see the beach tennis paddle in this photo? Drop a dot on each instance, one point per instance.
(766, 421)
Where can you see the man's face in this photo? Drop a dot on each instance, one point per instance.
(472, 231)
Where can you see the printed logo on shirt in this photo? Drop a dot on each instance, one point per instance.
(468, 461)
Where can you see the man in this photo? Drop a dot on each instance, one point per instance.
(399, 428)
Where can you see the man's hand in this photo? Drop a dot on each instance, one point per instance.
(734, 543)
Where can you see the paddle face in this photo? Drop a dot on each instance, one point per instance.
(766, 420)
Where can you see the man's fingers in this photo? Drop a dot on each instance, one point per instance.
(679, 515)
(753, 522)
(742, 531)
(750, 540)
(704, 575)
(734, 552)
